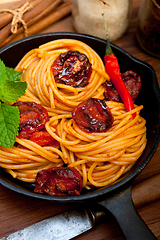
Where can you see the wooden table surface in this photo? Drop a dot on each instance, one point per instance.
(18, 211)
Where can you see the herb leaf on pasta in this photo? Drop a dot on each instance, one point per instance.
(9, 120)
(10, 91)
(12, 74)
(3, 75)
(11, 88)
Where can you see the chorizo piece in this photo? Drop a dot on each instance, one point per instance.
(59, 181)
(132, 82)
(32, 118)
(72, 68)
(93, 115)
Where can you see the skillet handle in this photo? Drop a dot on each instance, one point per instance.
(130, 222)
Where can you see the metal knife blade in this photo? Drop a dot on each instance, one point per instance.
(60, 227)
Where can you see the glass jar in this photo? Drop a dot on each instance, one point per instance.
(148, 27)
(87, 17)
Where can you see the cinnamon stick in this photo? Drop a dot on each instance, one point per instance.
(6, 18)
(37, 10)
(42, 14)
(36, 18)
(46, 11)
(52, 18)
(6, 31)
(60, 12)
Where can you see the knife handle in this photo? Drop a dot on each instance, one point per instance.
(95, 213)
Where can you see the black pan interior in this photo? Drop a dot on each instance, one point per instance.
(149, 97)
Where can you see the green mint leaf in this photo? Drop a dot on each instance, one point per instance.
(12, 74)
(9, 122)
(3, 75)
(10, 91)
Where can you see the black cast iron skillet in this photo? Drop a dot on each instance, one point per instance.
(117, 197)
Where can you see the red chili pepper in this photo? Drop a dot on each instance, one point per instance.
(113, 70)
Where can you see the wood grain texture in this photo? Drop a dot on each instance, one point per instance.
(18, 211)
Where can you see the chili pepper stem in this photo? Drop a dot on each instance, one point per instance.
(108, 46)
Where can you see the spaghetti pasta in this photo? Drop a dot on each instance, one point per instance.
(100, 157)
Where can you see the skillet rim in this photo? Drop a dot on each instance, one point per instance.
(126, 180)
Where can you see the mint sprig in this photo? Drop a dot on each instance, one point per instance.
(11, 88)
